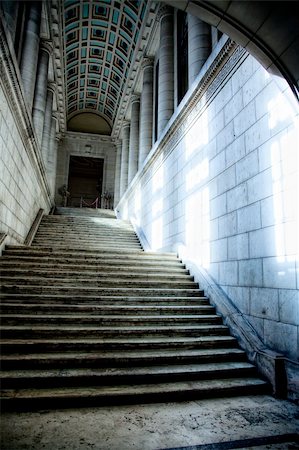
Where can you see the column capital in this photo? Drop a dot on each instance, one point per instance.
(46, 46)
(147, 62)
(164, 10)
(135, 98)
(51, 87)
(125, 124)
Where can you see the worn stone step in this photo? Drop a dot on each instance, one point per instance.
(103, 291)
(8, 265)
(73, 245)
(124, 394)
(120, 283)
(99, 376)
(21, 273)
(78, 331)
(106, 320)
(120, 358)
(35, 308)
(91, 230)
(102, 300)
(22, 346)
(98, 212)
(89, 253)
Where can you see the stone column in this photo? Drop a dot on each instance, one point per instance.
(10, 10)
(46, 137)
(134, 138)
(166, 69)
(146, 111)
(40, 95)
(53, 145)
(124, 158)
(199, 45)
(28, 65)
(117, 172)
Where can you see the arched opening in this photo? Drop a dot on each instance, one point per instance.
(87, 122)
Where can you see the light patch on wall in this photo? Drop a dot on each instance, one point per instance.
(197, 175)
(158, 177)
(157, 234)
(157, 207)
(198, 136)
(198, 227)
(137, 205)
(285, 187)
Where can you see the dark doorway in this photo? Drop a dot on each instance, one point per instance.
(85, 181)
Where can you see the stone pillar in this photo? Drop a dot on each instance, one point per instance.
(134, 138)
(40, 95)
(53, 145)
(124, 158)
(199, 45)
(28, 65)
(46, 137)
(10, 10)
(166, 69)
(117, 173)
(146, 111)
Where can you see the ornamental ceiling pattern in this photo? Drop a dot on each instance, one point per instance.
(99, 42)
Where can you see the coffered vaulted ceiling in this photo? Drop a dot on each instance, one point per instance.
(100, 38)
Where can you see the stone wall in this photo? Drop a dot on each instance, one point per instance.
(221, 188)
(22, 187)
(88, 145)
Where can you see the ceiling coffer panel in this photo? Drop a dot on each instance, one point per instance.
(100, 39)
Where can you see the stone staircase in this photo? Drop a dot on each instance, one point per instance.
(89, 318)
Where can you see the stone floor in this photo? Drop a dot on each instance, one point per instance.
(157, 426)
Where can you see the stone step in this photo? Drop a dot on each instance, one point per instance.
(35, 308)
(70, 290)
(124, 394)
(102, 300)
(101, 212)
(72, 245)
(48, 228)
(99, 376)
(22, 346)
(121, 268)
(96, 262)
(115, 283)
(106, 320)
(83, 331)
(120, 358)
(121, 254)
(21, 273)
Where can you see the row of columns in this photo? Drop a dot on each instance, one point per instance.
(34, 68)
(137, 135)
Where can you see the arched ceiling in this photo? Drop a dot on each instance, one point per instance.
(99, 42)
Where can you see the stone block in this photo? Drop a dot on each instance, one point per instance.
(218, 206)
(279, 273)
(216, 125)
(245, 119)
(250, 272)
(235, 151)
(257, 324)
(240, 297)
(227, 225)
(257, 134)
(247, 167)
(218, 250)
(228, 273)
(238, 247)
(289, 306)
(281, 337)
(233, 107)
(262, 243)
(226, 180)
(237, 197)
(260, 186)
(268, 212)
(264, 303)
(214, 231)
(217, 164)
(225, 137)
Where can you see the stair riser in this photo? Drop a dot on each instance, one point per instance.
(120, 362)
(61, 332)
(115, 379)
(31, 348)
(121, 292)
(96, 264)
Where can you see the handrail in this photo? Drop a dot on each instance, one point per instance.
(89, 205)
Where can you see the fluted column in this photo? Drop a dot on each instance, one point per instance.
(199, 45)
(46, 147)
(52, 157)
(166, 69)
(146, 111)
(124, 158)
(40, 94)
(28, 65)
(117, 172)
(134, 138)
